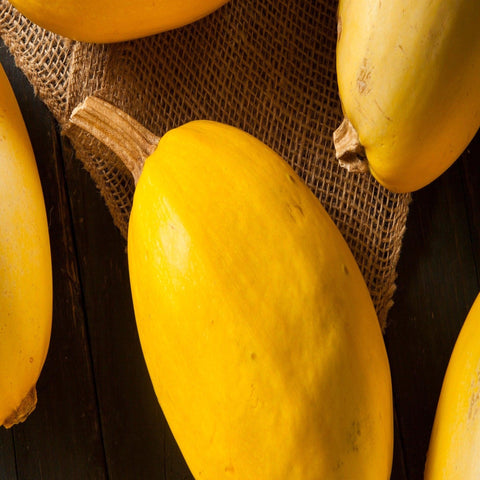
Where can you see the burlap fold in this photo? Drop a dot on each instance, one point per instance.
(267, 67)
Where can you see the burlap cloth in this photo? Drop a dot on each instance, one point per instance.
(267, 67)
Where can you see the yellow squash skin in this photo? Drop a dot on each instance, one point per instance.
(256, 325)
(408, 75)
(454, 448)
(106, 21)
(25, 265)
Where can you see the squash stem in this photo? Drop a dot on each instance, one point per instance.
(126, 137)
(348, 149)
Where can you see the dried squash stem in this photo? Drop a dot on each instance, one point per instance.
(348, 149)
(126, 137)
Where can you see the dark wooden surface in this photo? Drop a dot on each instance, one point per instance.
(97, 416)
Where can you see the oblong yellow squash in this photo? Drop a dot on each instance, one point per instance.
(408, 75)
(25, 265)
(256, 325)
(105, 21)
(454, 448)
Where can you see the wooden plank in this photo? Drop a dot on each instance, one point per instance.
(437, 282)
(138, 442)
(61, 438)
(7, 455)
(470, 162)
(398, 464)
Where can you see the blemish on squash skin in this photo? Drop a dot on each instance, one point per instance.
(383, 112)
(474, 405)
(295, 211)
(354, 435)
(364, 77)
(254, 400)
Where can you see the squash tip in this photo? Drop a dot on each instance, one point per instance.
(26, 407)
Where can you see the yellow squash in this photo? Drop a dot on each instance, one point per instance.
(25, 266)
(408, 78)
(104, 21)
(257, 328)
(256, 325)
(454, 448)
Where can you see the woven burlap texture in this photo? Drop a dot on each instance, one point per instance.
(267, 67)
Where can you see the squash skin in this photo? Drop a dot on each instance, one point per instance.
(107, 21)
(25, 265)
(408, 80)
(257, 328)
(455, 438)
